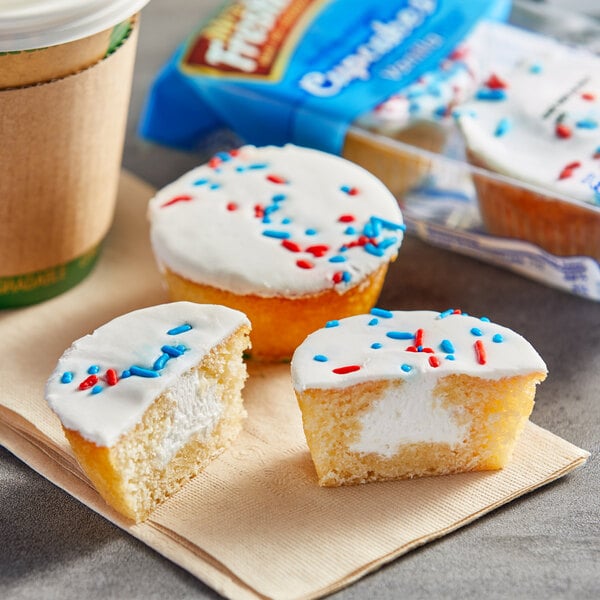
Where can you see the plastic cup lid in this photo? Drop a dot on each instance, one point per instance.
(29, 24)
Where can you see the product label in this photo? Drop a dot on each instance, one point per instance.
(300, 71)
(249, 39)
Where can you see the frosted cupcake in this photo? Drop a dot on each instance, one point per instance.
(287, 235)
(539, 124)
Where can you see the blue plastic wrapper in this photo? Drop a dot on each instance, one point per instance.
(300, 71)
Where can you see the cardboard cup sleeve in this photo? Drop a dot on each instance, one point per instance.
(60, 160)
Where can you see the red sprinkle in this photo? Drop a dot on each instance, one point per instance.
(562, 131)
(457, 311)
(495, 83)
(259, 211)
(276, 178)
(291, 246)
(480, 352)
(568, 170)
(111, 377)
(411, 349)
(305, 264)
(338, 277)
(183, 198)
(588, 96)
(88, 382)
(352, 191)
(346, 219)
(434, 361)
(214, 162)
(232, 206)
(234, 152)
(346, 369)
(428, 350)
(419, 338)
(318, 250)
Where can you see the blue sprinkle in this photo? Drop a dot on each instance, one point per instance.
(224, 156)
(180, 329)
(240, 168)
(535, 69)
(400, 335)
(320, 358)
(266, 219)
(498, 338)
(492, 95)
(311, 231)
(214, 186)
(413, 108)
(440, 111)
(337, 259)
(333, 323)
(373, 322)
(381, 312)
(160, 362)
(258, 166)
(173, 351)
(419, 348)
(503, 127)
(200, 182)
(374, 250)
(387, 242)
(345, 189)
(587, 124)
(280, 235)
(142, 372)
(181, 347)
(376, 345)
(406, 368)
(390, 224)
(125, 374)
(350, 230)
(484, 319)
(447, 346)
(67, 377)
(450, 357)
(96, 389)
(278, 197)
(286, 221)
(271, 208)
(93, 370)
(346, 277)
(446, 313)
(476, 331)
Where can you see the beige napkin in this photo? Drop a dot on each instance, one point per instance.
(255, 524)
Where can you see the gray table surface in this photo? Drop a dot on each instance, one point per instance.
(545, 545)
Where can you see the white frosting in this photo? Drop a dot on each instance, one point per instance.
(137, 339)
(217, 236)
(436, 93)
(350, 343)
(361, 346)
(548, 119)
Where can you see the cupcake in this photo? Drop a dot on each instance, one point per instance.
(288, 235)
(537, 126)
(151, 398)
(403, 394)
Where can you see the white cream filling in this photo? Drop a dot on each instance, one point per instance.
(408, 415)
(198, 409)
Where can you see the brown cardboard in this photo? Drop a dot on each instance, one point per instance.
(60, 160)
(27, 67)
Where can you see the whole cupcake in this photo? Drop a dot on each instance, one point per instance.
(539, 124)
(288, 235)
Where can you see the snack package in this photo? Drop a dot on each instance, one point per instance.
(384, 85)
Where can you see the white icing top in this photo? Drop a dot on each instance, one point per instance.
(539, 121)
(165, 341)
(422, 344)
(276, 221)
(435, 94)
